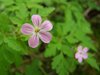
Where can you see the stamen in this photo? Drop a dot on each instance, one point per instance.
(37, 30)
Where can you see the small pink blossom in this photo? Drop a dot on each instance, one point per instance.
(81, 53)
(39, 30)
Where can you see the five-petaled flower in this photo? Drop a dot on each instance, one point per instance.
(39, 30)
(81, 53)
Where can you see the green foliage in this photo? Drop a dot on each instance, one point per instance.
(92, 61)
(18, 74)
(8, 57)
(15, 44)
(59, 63)
(33, 68)
(63, 66)
(70, 28)
(45, 11)
(4, 23)
(1, 38)
(50, 51)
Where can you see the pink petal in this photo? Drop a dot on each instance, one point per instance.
(27, 29)
(45, 36)
(80, 60)
(85, 49)
(77, 55)
(33, 41)
(79, 48)
(36, 19)
(46, 25)
(85, 56)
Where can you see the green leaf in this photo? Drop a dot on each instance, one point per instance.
(34, 1)
(50, 50)
(60, 1)
(86, 41)
(12, 9)
(70, 38)
(5, 60)
(16, 45)
(7, 2)
(59, 29)
(3, 71)
(53, 47)
(37, 1)
(22, 12)
(66, 50)
(92, 62)
(58, 45)
(69, 21)
(16, 20)
(34, 10)
(1, 38)
(45, 11)
(59, 64)
(89, 43)
(18, 73)
(5, 24)
(33, 68)
(83, 24)
(17, 59)
(92, 4)
(9, 55)
(86, 27)
(71, 62)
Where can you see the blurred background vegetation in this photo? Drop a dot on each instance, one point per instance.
(13, 13)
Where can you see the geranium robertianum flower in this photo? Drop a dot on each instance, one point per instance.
(81, 53)
(39, 30)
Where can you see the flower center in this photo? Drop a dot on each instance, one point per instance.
(82, 53)
(37, 30)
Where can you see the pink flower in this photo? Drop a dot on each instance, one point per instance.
(39, 30)
(81, 53)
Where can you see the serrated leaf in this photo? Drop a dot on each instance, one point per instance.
(5, 24)
(22, 12)
(16, 44)
(58, 45)
(67, 51)
(9, 55)
(84, 25)
(16, 20)
(59, 64)
(70, 38)
(92, 62)
(12, 8)
(7, 2)
(69, 22)
(56, 61)
(50, 51)
(59, 29)
(71, 62)
(45, 11)
(89, 44)
(86, 41)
